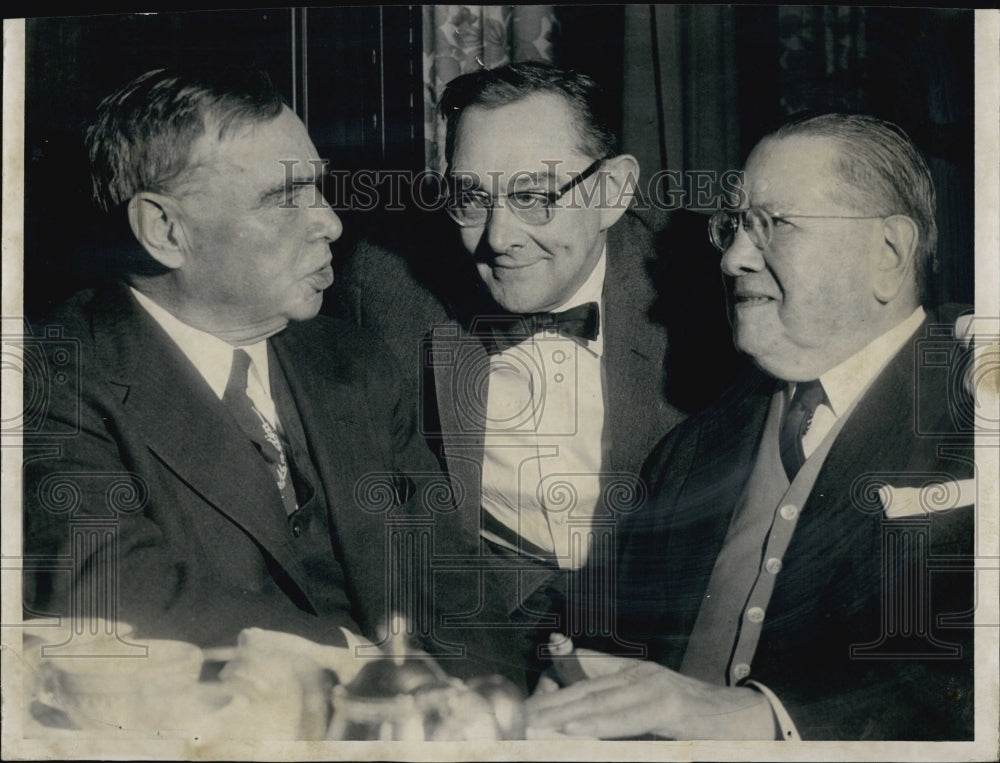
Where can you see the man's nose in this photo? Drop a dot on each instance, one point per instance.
(742, 256)
(504, 230)
(330, 226)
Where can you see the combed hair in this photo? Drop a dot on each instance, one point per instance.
(491, 88)
(885, 172)
(144, 131)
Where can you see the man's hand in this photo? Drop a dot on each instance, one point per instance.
(624, 697)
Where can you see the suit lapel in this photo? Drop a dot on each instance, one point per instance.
(461, 383)
(878, 438)
(332, 410)
(870, 438)
(634, 350)
(186, 426)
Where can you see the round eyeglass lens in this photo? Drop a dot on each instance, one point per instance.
(722, 229)
(467, 209)
(534, 212)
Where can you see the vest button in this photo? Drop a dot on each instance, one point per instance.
(755, 615)
(296, 528)
(789, 512)
(740, 671)
(773, 565)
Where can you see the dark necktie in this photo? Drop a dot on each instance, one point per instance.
(808, 395)
(577, 323)
(258, 428)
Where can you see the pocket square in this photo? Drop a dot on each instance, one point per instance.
(928, 499)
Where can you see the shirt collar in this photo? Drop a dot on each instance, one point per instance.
(212, 356)
(592, 290)
(844, 383)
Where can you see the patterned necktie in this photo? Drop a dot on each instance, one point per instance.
(258, 428)
(808, 395)
(577, 323)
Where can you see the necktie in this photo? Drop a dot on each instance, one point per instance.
(258, 428)
(808, 395)
(577, 323)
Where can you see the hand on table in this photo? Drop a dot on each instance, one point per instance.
(624, 697)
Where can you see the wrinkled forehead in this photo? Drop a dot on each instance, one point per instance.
(794, 173)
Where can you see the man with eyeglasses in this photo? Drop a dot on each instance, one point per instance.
(543, 381)
(803, 566)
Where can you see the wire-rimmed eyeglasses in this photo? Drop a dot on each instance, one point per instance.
(470, 208)
(759, 225)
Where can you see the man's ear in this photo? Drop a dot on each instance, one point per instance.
(155, 221)
(893, 267)
(618, 182)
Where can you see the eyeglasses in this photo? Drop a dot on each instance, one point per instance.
(759, 225)
(471, 208)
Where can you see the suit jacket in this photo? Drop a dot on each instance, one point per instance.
(402, 295)
(846, 662)
(138, 482)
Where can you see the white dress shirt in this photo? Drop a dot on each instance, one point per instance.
(543, 447)
(213, 357)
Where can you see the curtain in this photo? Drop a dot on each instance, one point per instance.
(679, 89)
(822, 59)
(461, 38)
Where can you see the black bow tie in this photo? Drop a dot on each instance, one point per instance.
(578, 323)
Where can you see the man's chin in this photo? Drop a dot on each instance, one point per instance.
(521, 301)
(523, 306)
(762, 348)
(251, 334)
(307, 308)
(790, 365)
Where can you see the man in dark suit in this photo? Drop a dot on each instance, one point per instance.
(212, 456)
(540, 369)
(803, 566)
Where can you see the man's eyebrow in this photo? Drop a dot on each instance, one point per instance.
(534, 178)
(465, 181)
(775, 208)
(470, 181)
(279, 190)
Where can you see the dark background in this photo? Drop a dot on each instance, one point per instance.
(363, 67)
